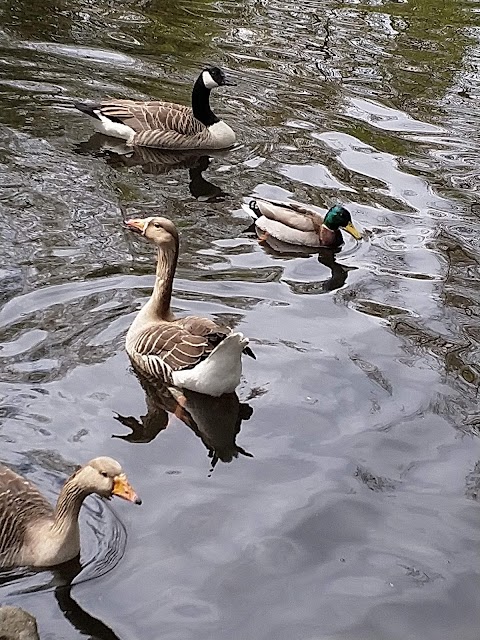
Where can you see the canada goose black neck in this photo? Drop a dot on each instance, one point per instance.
(201, 103)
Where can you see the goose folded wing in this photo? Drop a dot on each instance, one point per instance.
(173, 345)
(173, 130)
(204, 327)
(20, 504)
(146, 117)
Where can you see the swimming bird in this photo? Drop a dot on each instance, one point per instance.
(295, 223)
(33, 533)
(192, 353)
(166, 125)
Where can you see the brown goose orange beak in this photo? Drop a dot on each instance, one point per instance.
(137, 225)
(123, 489)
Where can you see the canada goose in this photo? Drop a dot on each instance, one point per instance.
(166, 125)
(34, 534)
(295, 223)
(192, 353)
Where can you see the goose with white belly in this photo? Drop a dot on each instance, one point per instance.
(192, 353)
(166, 125)
(295, 223)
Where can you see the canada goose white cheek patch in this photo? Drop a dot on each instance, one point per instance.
(208, 81)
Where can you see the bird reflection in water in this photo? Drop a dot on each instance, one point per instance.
(62, 584)
(157, 162)
(325, 255)
(216, 421)
(80, 619)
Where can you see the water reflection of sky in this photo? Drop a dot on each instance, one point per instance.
(355, 519)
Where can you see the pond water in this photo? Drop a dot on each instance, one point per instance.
(357, 516)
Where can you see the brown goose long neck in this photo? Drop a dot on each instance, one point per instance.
(68, 505)
(162, 292)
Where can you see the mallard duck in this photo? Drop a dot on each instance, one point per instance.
(191, 353)
(166, 125)
(295, 223)
(34, 534)
(17, 624)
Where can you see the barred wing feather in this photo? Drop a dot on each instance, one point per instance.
(20, 504)
(169, 347)
(150, 116)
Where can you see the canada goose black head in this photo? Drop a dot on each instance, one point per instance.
(213, 77)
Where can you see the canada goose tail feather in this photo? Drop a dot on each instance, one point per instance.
(252, 209)
(89, 108)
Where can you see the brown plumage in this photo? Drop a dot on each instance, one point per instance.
(32, 532)
(192, 352)
(295, 223)
(166, 125)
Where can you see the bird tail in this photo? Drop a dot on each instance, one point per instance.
(252, 209)
(88, 108)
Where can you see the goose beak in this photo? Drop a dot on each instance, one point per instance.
(123, 489)
(137, 225)
(350, 228)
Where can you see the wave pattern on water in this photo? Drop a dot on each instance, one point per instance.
(357, 518)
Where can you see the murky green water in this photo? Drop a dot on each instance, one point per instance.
(357, 517)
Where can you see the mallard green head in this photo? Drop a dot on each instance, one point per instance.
(338, 217)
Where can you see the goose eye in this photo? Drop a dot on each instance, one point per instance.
(104, 474)
(157, 225)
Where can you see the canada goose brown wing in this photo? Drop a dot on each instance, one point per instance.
(171, 345)
(21, 504)
(153, 116)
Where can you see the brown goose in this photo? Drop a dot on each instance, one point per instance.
(192, 353)
(34, 534)
(17, 624)
(166, 125)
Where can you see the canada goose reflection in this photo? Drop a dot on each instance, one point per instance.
(215, 420)
(156, 162)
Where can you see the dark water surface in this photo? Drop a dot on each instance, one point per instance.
(357, 517)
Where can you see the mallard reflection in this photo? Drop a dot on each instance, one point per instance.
(215, 420)
(156, 162)
(339, 274)
(325, 255)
